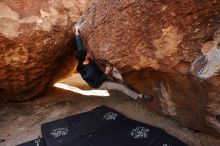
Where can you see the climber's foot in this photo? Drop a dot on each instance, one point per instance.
(2, 140)
(145, 97)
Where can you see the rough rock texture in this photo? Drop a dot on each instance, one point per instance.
(168, 48)
(34, 44)
(25, 122)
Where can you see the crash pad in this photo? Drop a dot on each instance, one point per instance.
(35, 142)
(103, 126)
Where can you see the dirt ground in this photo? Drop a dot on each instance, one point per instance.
(20, 122)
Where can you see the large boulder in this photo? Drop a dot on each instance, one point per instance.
(34, 52)
(167, 48)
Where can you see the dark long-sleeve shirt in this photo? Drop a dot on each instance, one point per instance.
(79, 42)
(81, 50)
(89, 72)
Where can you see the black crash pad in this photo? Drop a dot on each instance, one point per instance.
(59, 133)
(168, 140)
(95, 120)
(69, 129)
(128, 133)
(36, 142)
(103, 126)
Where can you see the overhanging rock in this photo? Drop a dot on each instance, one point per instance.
(166, 48)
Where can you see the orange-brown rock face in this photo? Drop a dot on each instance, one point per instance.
(33, 38)
(168, 48)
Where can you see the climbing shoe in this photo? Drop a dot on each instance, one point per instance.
(2, 140)
(146, 97)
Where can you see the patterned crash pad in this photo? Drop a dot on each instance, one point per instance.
(103, 126)
(35, 142)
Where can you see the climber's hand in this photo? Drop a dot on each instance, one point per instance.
(108, 69)
(77, 29)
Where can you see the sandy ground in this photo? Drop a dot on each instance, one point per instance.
(20, 122)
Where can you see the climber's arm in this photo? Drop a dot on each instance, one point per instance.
(79, 42)
(81, 50)
(78, 38)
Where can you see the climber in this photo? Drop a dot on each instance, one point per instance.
(94, 75)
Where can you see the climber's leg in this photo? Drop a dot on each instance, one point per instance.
(119, 87)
